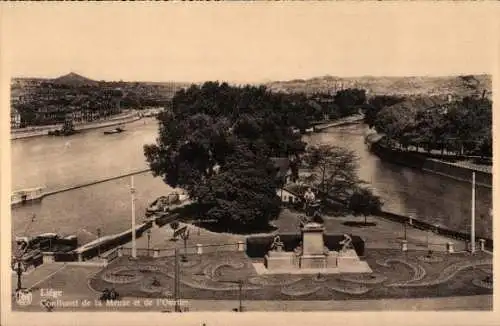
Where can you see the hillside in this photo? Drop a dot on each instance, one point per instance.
(457, 85)
(73, 79)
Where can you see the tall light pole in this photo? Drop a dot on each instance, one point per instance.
(473, 215)
(132, 198)
(240, 287)
(98, 242)
(176, 281)
(149, 239)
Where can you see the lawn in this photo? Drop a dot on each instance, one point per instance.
(215, 276)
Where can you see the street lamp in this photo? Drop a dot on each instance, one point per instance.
(18, 264)
(240, 287)
(148, 232)
(99, 242)
(185, 236)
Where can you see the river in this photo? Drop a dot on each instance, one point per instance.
(60, 162)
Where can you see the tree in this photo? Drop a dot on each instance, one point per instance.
(349, 99)
(334, 169)
(376, 104)
(237, 130)
(243, 194)
(364, 202)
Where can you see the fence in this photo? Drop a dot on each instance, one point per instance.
(440, 230)
(199, 249)
(118, 240)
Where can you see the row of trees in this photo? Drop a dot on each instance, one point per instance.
(217, 142)
(461, 127)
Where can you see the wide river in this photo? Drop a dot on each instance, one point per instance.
(59, 162)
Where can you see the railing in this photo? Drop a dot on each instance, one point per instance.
(198, 249)
(440, 230)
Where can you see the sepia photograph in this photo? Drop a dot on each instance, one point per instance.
(179, 159)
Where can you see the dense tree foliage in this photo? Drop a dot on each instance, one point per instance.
(461, 127)
(376, 104)
(217, 142)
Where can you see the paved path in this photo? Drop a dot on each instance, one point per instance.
(385, 234)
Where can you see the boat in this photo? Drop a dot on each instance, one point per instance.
(68, 129)
(21, 197)
(116, 130)
(165, 203)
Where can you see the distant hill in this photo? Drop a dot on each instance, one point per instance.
(73, 79)
(431, 86)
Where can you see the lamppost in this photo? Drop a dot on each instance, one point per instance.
(405, 225)
(185, 236)
(240, 288)
(99, 242)
(148, 232)
(18, 265)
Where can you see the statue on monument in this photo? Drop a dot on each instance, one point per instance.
(277, 244)
(346, 243)
(311, 204)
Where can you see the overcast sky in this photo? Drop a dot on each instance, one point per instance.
(240, 42)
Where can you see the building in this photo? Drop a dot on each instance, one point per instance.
(287, 196)
(15, 119)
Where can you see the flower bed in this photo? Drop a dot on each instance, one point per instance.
(353, 289)
(431, 259)
(274, 280)
(483, 284)
(300, 289)
(418, 271)
(148, 287)
(365, 279)
(122, 275)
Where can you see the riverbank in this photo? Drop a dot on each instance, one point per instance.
(358, 118)
(457, 171)
(43, 131)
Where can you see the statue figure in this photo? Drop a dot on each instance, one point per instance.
(277, 244)
(309, 196)
(346, 243)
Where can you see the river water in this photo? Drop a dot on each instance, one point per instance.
(60, 162)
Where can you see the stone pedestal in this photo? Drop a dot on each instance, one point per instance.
(48, 257)
(482, 243)
(404, 245)
(240, 246)
(449, 248)
(313, 261)
(280, 260)
(312, 239)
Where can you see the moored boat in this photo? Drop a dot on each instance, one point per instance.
(24, 196)
(116, 130)
(165, 203)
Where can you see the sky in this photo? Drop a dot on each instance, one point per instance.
(244, 42)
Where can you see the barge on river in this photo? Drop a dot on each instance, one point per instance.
(21, 197)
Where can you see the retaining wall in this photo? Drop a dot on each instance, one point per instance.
(20, 134)
(421, 162)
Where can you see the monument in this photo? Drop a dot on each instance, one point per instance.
(312, 256)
